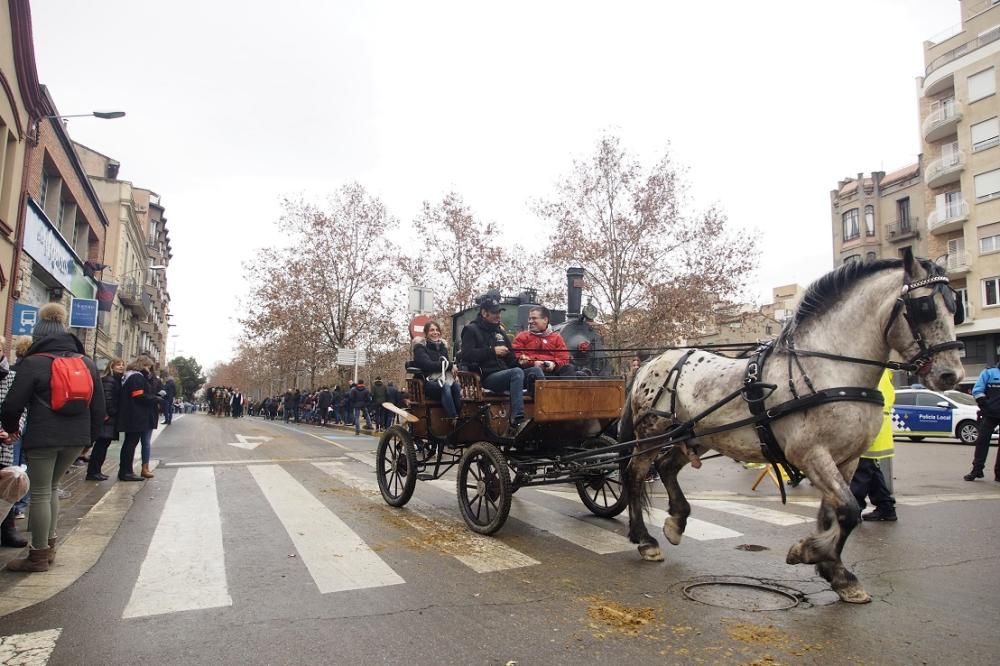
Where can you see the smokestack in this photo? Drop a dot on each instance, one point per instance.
(574, 291)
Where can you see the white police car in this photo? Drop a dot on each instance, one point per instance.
(920, 412)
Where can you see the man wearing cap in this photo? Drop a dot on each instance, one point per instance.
(486, 345)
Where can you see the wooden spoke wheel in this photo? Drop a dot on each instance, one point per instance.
(603, 493)
(484, 492)
(396, 466)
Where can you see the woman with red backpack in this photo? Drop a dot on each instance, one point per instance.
(60, 388)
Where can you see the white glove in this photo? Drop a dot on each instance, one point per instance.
(162, 394)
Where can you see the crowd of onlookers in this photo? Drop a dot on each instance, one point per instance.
(58, 410)
(354, 405)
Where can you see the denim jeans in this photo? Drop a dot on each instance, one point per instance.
(45, 468)
(168, 411)
(512, 381)
(147, 438)
(357, 419)
(450, 396)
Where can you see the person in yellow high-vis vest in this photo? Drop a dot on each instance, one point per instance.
(868, 479)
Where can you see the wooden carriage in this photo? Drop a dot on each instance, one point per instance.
(570, 426)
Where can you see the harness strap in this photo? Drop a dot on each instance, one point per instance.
(755, 397)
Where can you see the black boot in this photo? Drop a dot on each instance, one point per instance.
(976, 473)
(888, 515)
(9, 537)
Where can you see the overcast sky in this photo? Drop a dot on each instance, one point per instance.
(233, 104)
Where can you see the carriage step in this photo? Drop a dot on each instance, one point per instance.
(425, 477)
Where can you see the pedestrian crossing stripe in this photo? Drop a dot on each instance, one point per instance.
(185, 566)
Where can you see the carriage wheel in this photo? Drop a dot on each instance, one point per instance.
(604, 492)
(396, 466)
(484, 488)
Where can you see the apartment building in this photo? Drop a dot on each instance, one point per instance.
(137, 254)
(63, 232)
(946, 206)
(21, 106)
(743, 323)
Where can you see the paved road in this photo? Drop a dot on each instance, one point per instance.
(261, 543)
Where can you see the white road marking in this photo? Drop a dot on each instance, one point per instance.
(252, 461)
(696, 529)
(366, 458)
(303, 432)
(920, 500)
(185, 565)
(446, 533)
(753, 512)
(32, 649)
(337, 558)
(593, 538)
(249, 442)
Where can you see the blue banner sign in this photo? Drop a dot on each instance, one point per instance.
(83, 313)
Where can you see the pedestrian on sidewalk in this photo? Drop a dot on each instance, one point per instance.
(138, 402)
(9, 538)
(868, 480)
(170, 386)
(360, 397)
(111, 383)
(987, 395)
(55, 438)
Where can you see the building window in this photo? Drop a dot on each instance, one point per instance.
(870, 257)
(989, 244)
(903, 214)
(987, 185)
(982, 84)
(869, 220)
(963, 295)
(990, 292)
(851, 230)
(976, 348)
(852, 258)
(8, 149)
(985, 134)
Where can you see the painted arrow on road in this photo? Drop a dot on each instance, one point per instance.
(249, 442)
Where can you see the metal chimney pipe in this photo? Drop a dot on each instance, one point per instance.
(574, 291)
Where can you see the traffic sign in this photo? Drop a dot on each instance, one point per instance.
(421, 300)
(417, 325)
(351, 357)
(25, 317)
(83, 313)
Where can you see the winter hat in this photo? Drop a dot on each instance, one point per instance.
(51, 321)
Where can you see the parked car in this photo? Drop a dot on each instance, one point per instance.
(920, 412)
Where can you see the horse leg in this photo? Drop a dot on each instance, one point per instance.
(638, 500)
(668, 467)
(838, 515)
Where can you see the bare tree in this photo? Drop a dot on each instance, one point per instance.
(653, 269)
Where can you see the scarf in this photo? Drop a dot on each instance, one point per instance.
(547, 331)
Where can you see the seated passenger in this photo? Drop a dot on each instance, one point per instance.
(430, 354)
(486, 344)
(541, 347)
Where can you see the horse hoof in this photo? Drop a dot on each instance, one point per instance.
(854, 595)
(671, 532)
(794, 554)
(651, 554)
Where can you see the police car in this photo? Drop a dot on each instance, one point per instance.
(920, 412)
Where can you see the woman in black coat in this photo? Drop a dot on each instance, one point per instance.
(112, 384)
(137, 400)
(431, 356)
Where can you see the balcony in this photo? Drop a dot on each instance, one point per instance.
(958, 263)
(942, 121)
(945, 170)
(147, 327)
(129, 293)
(949, 218)
(902, 229)
(962, 49)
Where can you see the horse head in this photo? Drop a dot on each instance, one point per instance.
(922, 325)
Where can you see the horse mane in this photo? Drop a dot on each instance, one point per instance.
(829, 289)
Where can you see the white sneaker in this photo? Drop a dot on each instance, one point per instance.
(63, 494)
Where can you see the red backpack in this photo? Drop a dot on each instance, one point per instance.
(71, 385)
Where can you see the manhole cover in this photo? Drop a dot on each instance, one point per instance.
(752, 547)
(740, 596)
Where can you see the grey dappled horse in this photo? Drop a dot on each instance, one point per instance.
(863, 311)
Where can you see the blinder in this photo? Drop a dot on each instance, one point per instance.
(923, 310)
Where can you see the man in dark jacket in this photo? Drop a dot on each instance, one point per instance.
(54, 439)
(360, 396)
(323, 402)
(170, 386)
(392, 395)
(987, 395)
(288, 405)
(378, 397)
(486, 346)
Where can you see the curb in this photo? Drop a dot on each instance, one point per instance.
(78, 552)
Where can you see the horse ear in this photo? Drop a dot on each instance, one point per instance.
(909, 265)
